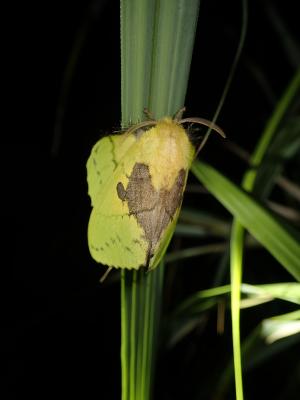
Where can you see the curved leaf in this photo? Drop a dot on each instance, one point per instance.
(253, 216)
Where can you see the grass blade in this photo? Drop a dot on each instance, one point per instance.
(157, 39)
(252, 216)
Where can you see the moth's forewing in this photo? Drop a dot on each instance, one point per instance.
(136, 183)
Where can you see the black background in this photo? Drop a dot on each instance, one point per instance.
(60, 326)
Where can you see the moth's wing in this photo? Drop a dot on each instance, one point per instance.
(171, 205)
(162, 246)
(114, 236)
(117, 240)
(104, 160)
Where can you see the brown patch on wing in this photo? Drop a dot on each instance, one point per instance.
(153, 209)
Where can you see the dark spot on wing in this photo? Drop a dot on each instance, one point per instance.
(121, 191)
(113, 152)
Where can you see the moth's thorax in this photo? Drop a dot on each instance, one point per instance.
(167, 149)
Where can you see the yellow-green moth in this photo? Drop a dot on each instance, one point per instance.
(136, 182)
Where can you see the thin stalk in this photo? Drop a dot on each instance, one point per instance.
(237, 233)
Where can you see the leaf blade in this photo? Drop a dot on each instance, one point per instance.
(253, 216)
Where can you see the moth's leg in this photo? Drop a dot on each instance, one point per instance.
(104, 276)
(149, 114)
(179, 114)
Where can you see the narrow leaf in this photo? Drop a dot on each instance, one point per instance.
(253, 216)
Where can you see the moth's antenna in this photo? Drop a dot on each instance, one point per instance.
(209, 124)
(141, 125)
(205, 122)
(179, 114)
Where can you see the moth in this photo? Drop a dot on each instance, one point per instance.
(136, 181)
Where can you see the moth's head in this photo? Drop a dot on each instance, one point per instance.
(178, 120)
(197, 141)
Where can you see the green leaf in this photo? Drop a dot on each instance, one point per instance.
(253, 216)
(237, 234)
(275, 329)
(289, 291)
(157, 40)
(257, 349)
